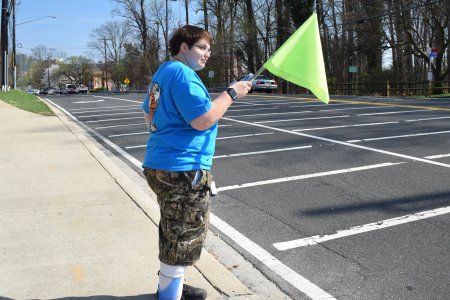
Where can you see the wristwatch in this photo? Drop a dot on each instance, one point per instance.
(232, 93)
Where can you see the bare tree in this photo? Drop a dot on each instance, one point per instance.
(116, 34)
(251, 44)
(109, 40)
(414, 27)
(268, 22)
(134, 11)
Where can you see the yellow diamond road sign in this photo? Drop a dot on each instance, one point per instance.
(126, 81)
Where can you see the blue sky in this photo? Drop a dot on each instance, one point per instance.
(68, 32)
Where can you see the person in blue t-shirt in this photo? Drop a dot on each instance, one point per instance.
(182, 120)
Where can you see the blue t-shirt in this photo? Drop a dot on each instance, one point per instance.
(176, 97)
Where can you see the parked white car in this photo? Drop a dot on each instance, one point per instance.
(261, 83)
(70, 89)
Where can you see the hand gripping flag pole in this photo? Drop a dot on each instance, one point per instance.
(300, 60)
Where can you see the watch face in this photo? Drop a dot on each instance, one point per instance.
(232, 93)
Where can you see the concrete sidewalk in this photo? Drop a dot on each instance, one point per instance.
(74, 225)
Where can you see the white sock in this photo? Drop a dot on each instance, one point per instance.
(170, 281)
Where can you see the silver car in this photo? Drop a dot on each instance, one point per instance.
(261, 83)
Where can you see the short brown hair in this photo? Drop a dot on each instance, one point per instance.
(188, 34)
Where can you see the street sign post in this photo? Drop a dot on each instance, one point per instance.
(432, 54)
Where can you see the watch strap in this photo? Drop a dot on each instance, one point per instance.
(233, 94)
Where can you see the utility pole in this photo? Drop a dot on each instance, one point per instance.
(4, 42)
(106, 67)
(105, 84)
(157, 41)
(186, 2)
(48, 75)
(166, 37)
(14, 75)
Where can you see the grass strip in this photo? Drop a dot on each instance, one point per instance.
(27, 102)
(441, 96)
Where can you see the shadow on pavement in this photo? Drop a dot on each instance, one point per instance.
(403, 204)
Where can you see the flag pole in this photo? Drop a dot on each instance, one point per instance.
(257, 73)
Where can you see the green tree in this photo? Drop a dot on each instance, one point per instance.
(35, 74)
(76, 70)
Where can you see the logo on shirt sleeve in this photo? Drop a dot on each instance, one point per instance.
(154, 95)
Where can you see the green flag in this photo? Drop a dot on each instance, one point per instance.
(300, 60)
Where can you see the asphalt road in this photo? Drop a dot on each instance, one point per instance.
(349, 200)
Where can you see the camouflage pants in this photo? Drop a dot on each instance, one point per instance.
(184, 213)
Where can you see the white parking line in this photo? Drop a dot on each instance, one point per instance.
(351, 108)
(413, 158)
(105, 110)
(108, 120)
(135, 147)
(317, 239)
(296, 280)
(267, 102)
(112, 114)
(124, 125)
(307, 104)
(253, 109)
(76, 110)
(394, 112)
(88, 101)
(301, 119)
(437, 156)
(239, 104)
(270, 114)
(261, 152)
(121, 99)
(306, 176)
(427, 119)
(398, 136)
(241, 136)
(126, 134)
(345, 126)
